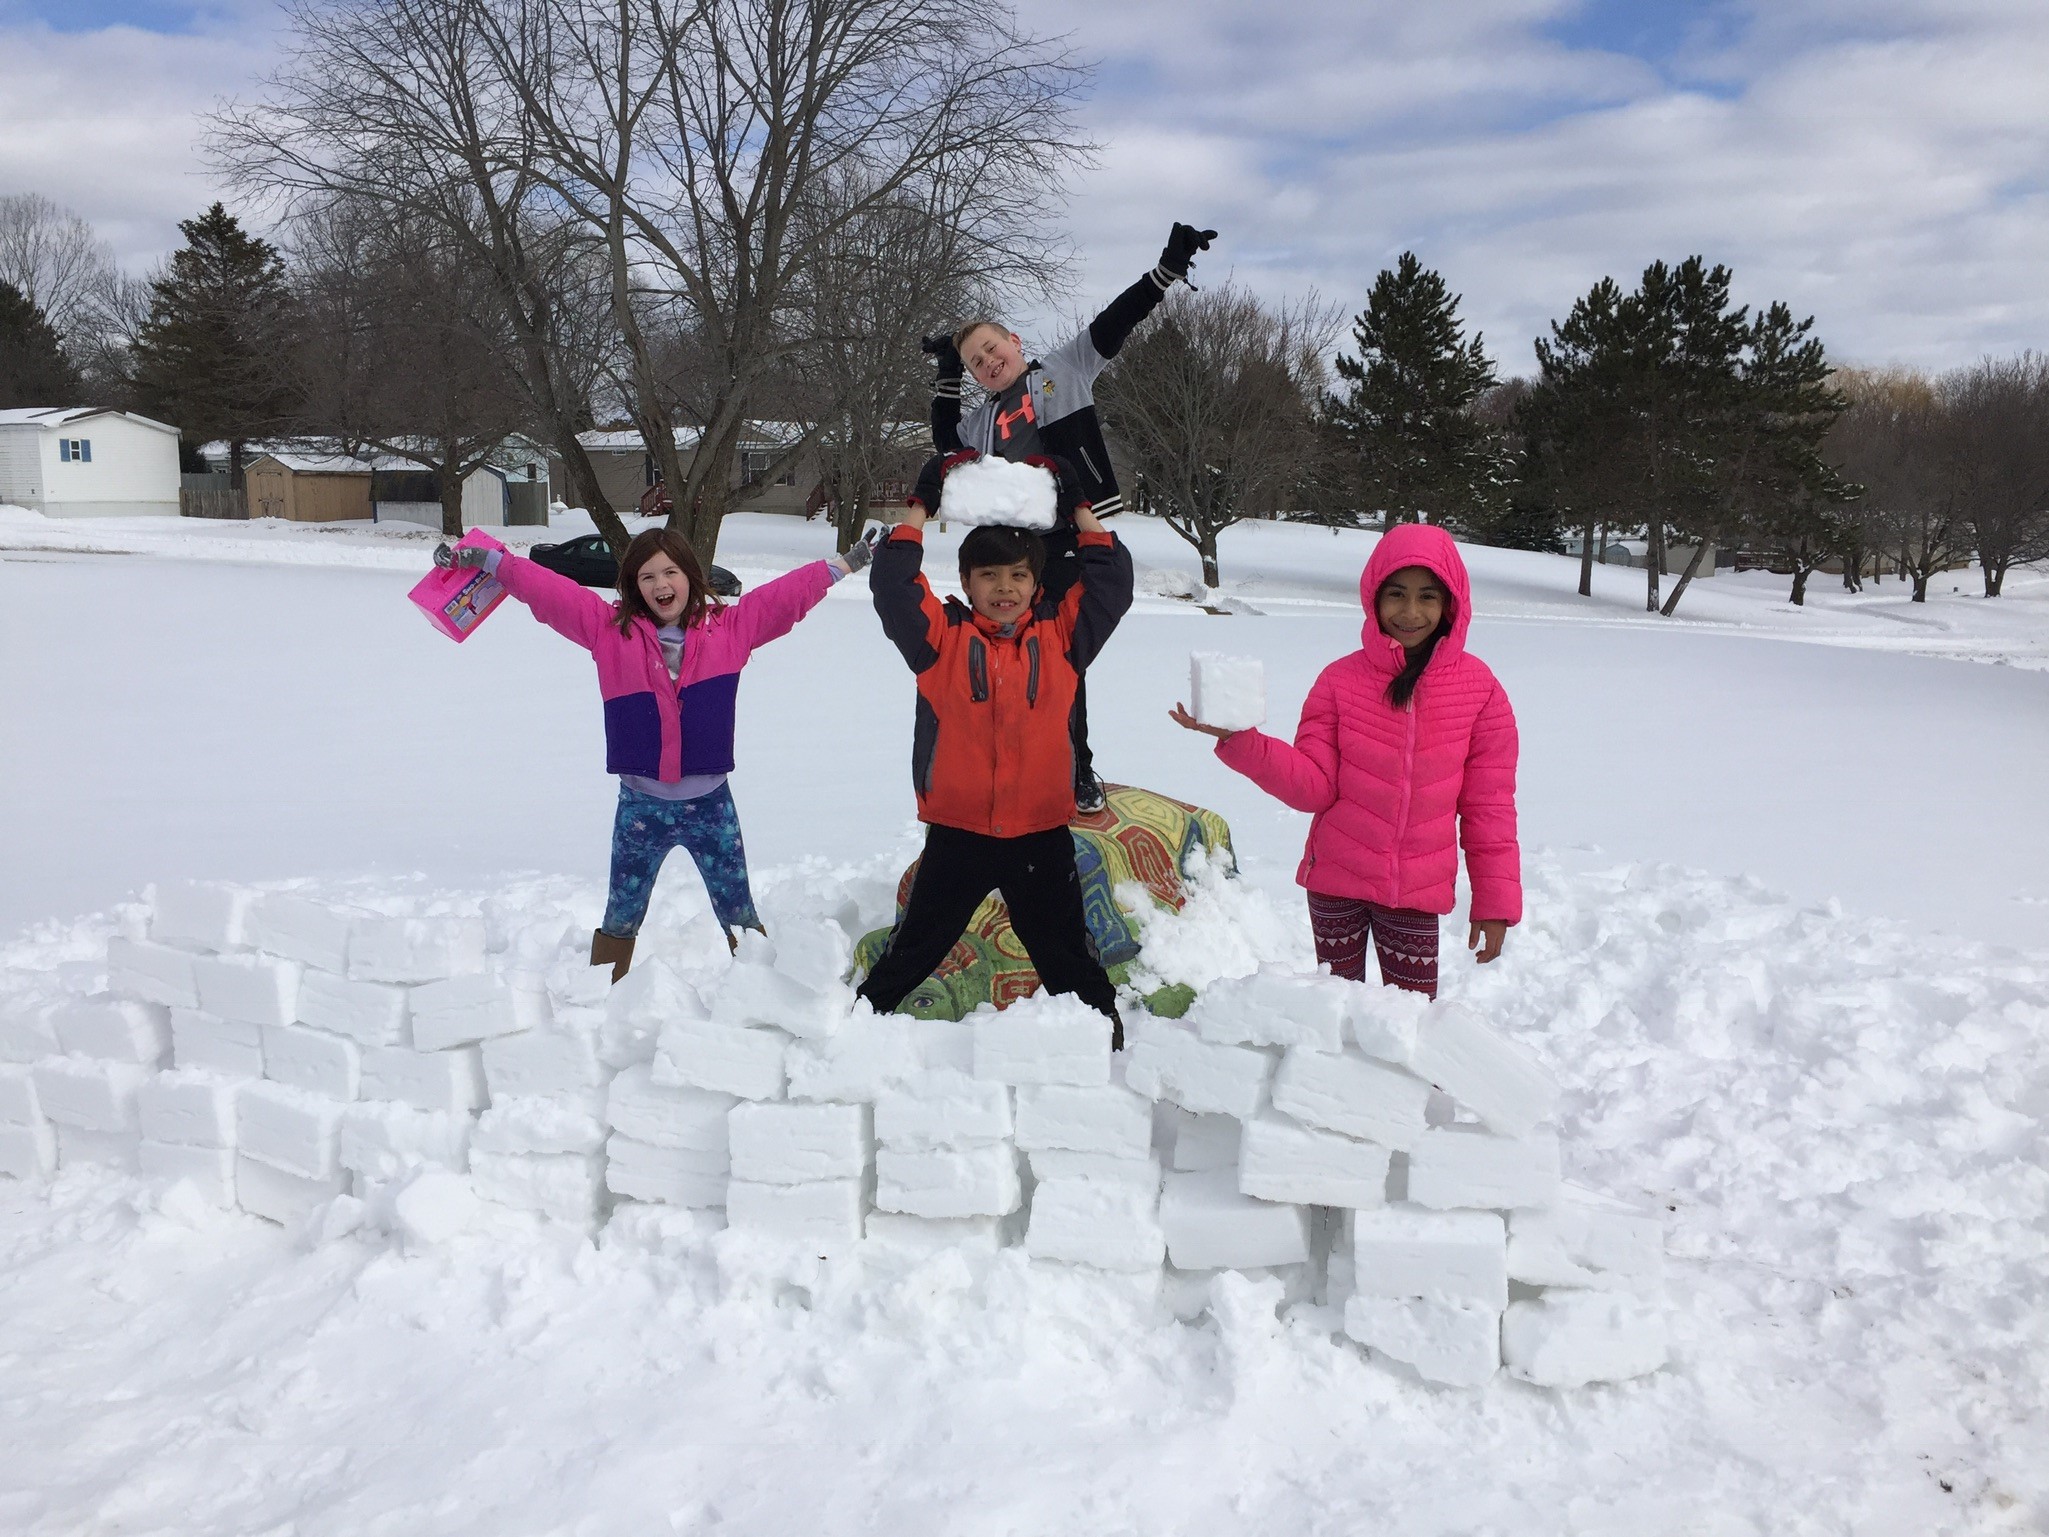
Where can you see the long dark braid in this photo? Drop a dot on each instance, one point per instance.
(1402, 688)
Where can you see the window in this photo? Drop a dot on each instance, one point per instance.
(75, 450)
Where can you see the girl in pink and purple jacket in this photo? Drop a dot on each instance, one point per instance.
(1406, 749)
(669, 655)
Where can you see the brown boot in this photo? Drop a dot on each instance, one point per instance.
(611, 950)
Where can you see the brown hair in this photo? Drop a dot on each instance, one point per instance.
(646, 545)
(960, 337)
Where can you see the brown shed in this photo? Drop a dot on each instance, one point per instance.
(308, 488)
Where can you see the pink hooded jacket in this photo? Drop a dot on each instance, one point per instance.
(656, 726)
(1394, 792)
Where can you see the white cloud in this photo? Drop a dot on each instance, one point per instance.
(1883, 164)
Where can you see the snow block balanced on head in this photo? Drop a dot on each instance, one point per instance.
(1138, 837)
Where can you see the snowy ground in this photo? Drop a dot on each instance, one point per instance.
(1838, 1091)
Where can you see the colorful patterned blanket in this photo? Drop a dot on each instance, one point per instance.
(1137, 836)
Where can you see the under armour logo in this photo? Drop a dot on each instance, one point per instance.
(1023, 413)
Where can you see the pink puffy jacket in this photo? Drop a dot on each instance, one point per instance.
(1387, 785)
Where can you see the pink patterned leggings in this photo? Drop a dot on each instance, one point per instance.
(1405, 941)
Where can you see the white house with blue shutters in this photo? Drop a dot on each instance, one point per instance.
(82, 462)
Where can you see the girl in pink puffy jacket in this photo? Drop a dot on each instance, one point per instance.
(1406, 750)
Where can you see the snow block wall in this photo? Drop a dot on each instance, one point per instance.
(1391, 1159)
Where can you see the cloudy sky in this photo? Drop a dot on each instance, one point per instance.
(1880, 164)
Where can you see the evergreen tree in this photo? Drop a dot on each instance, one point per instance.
(33, 368)
(1406, 417)
(212, 356)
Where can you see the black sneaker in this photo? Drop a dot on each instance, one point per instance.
(1088, 793)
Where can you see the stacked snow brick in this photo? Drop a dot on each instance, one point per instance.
(1398, 1161)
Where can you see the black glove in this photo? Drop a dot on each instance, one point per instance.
(473, 556)
(941, 350)
(1181, 247)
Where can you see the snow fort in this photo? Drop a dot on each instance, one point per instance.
(1391, 1160)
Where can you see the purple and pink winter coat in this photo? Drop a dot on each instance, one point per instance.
(657, 726)
(1395, 792)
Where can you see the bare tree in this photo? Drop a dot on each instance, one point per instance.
(699, 140)
(1898, 440)
(2000, 411)
(403, 352)
(1213, 407)
(57, 261)
(391, 104)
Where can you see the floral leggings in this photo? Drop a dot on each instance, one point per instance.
(648, 827)
(1405, 940)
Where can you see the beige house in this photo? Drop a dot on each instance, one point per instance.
(625, 469)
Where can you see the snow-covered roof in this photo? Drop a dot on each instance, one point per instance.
(756, 434)
(327, 464)
(64, 416)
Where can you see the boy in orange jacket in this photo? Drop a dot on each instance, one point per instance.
(991, 756)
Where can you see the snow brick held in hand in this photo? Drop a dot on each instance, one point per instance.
(462, 1011)
(941, 1110)
(1112, 1227)
(1566, 1339)
(251, 988)
(368, 1013)
(91, 1096)
(733, 1059)
(288, 1129)
(669, 1115)
(1212, 1225)
(1101, 1119)
(1274, 1008)
(673, 1176)
(990, 490)
(1204, 1141)
(187, 1109)
(113, 1030)
(1455, 1166)
(1444, 1256)
(151, 972)
(800, 1144)
(871, 1054)
(1446, 1342)
(1589, 1240)
(426, 1080)
(415, 949)
(312, 1060)
(202, 915)
(208, 1170)
(1354, 1095)
(301, 929)
(1227, 691)
(1046, 1038)
(278, 1195)
(975, 1182)
(825, 1217)
(1283, 1160)
(1169, 1061)
(1500, 1082)
(226, 1046)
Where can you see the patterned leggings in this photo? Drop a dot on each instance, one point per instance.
(648, 827)
(1405, 940)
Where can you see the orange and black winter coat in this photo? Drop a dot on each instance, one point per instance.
(991, 752)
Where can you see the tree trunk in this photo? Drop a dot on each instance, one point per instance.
(1995, 577)
(1700, 550)
(1653, 562)
(1800, 575)
(1921, 586)
(451, 502)
(583, 484)
(1586, 564)
(705, 495)
(1206, 547)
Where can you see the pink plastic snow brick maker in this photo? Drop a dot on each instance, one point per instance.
(459, 599)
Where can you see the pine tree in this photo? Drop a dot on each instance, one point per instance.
(211, 357)
(1406, 418)
(33, 368)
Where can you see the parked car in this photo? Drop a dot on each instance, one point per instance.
(589, 560)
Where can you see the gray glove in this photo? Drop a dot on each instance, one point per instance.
(472, 556)
(861, 551)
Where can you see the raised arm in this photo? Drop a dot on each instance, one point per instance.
(945, 392)
(1102, 596)
(912, 617)
(1108, 332)
(1305, 775)
(1486, 814)
(568, 608)
(773, 609)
